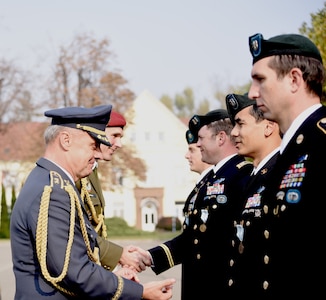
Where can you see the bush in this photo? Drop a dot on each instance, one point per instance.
(119, 227)
(169, 223)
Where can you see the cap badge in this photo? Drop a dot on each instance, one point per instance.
(255, 42)
(233, 102)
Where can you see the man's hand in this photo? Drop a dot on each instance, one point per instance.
(135, 257)
(127, 273)
(158, 290)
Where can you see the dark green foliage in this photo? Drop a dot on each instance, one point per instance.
(4, 222)
(119, 227)
(13, 198)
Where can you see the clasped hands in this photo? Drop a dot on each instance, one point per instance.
(133, 260)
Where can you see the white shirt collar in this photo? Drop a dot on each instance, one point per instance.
(296, 124)
(222, 162)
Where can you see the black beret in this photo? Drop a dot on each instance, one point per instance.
(285, 44)
(236, 103)
(93, 120)
(198, 121)
(191, 138)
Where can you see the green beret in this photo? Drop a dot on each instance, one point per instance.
(285, 44)
(191, 138)
(236, 103)
(198, 121)
(92, 120)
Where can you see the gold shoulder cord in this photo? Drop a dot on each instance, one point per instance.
(98, 219)
(42, 231)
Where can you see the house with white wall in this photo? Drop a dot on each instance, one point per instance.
(159, 137)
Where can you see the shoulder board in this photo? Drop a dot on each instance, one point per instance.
(243, 163)
(56, 179)
(321, 124)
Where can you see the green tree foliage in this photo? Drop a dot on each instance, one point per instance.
(13, 197)
(4, 222)
(167, 101)
(203, 107)
(317, 33)
(183, 104)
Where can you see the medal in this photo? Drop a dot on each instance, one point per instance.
(241, 248)
(202, 227)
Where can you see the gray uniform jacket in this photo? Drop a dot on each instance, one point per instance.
(83, 278)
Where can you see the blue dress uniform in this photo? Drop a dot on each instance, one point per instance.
(295, 205)
(203, 245)
(53, 244)
(241, 271)
(284, 250)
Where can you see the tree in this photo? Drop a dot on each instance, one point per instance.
(317, 33)
(13, 198)
(183, 104)
(83, 76)
(167, 101)
(4, 222)
(16, 101)
(203, 107)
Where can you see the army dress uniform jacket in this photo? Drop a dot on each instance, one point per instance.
(110, 252)
(294, 206)
(202, 246)
(83, 277)
(242, 273)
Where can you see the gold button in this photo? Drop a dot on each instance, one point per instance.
(265, 285)
(265, 209)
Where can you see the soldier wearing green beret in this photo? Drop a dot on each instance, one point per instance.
(203, 244)
(193, 155)
(259, 139)
(287, 82)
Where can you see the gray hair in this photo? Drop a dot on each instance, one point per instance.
(52, 132)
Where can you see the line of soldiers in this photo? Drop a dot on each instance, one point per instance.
(253, 222)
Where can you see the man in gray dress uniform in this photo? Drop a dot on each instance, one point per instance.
(54, 248)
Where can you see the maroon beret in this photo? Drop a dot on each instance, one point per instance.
(116, 120)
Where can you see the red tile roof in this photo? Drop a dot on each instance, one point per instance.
(22, 141)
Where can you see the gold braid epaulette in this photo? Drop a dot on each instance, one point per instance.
(321, 124)
(243, 163)
(42, 231)
(98, 219)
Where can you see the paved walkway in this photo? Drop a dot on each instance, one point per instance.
(7, 280)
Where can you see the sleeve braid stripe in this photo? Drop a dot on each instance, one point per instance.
(118, 292)
(168, 254)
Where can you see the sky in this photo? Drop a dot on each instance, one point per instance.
(162, 46)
